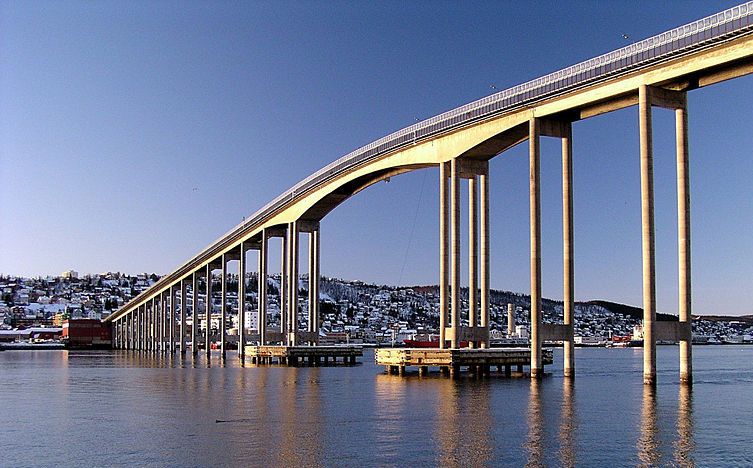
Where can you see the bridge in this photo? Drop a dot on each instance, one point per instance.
(655, 72)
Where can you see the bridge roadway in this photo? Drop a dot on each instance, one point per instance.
(655, 72)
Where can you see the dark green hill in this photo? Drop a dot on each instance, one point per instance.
(635, 312)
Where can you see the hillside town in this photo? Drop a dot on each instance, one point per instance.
(351, 311)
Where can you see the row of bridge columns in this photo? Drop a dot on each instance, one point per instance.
(158, 315)
(476, 172)
(151, 326)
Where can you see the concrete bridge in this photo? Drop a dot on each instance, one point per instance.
(656, 72)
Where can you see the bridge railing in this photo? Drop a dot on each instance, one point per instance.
(691, 37)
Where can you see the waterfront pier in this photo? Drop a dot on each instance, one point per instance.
(303, 355)
(452, 361)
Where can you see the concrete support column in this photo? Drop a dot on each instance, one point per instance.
(223, 305)
(171, 311)
(293, 262)
(150, 325)
(153, 325)
(485, 285)
(164, 310)
(647, 232)
(142, 327)
(134, 328)
(284, 290)
(683, 241)
(444, 242)
(208, 312)
(262, 290)
(242, 302)
(455, 252)
(472, 255)
(183, 306)
(161, 322)
(567, 251)
(195, 313)
(314, 256)
(130, 323)
(535, 227)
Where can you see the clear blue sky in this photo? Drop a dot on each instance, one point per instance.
(133, 134)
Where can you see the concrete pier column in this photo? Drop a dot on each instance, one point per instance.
(142, 327)
(171, 311)
(472, 256)
(647, 231)
(314, 281)
(284, 328)
(444, 242)
(130, 326)
(165, 320)
(150, 325)
(131, 331)
(683, 242)
(223, 305)
(293, 262)
(242, 302)
(195, 313)
(485, 285)
(160, 322)
(208, 312)
(455, 252)
(153, 325)
(183, 306)
(535, 232)
(262, 290)
(510, 319)
(567, 251)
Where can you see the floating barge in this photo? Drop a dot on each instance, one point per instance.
(451, 361)
(303, 355)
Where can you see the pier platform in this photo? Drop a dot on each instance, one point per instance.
(451, 361)
(303, 355)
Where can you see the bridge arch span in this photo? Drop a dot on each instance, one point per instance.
(657, 71)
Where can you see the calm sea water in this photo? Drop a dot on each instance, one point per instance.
(123, 408)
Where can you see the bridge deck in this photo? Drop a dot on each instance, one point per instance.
(452, 360)
(295, 355)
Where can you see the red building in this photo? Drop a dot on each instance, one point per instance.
(86, 333)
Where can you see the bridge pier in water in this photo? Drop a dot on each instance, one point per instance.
(649, 97)
(545, 331)
(477, 332)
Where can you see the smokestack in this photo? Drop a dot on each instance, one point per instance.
(510, 319)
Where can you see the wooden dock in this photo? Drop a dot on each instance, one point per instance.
(451, 361)
(303, 355)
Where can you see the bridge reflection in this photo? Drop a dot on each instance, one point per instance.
(650, 444)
